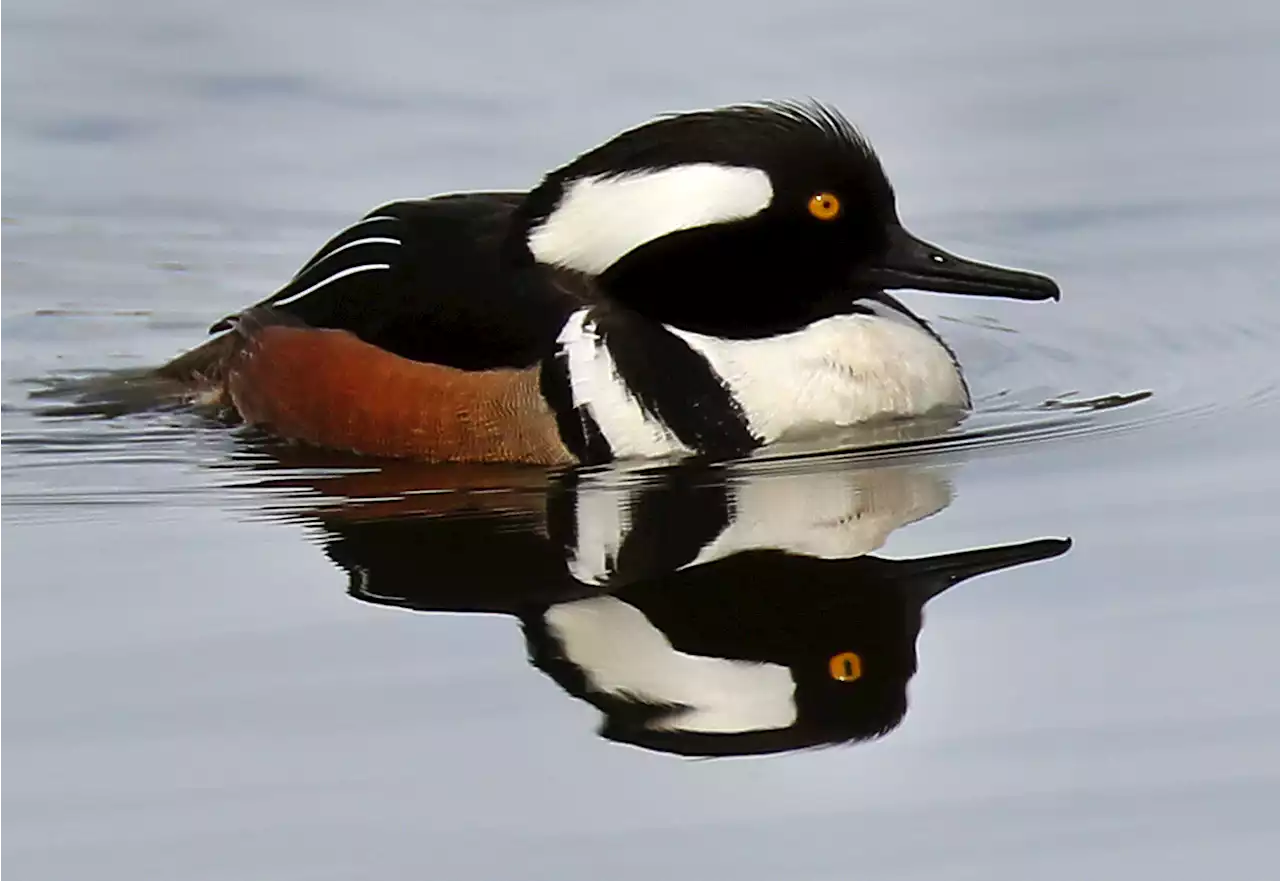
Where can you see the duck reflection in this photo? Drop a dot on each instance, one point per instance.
(703, 611)
(761, 652)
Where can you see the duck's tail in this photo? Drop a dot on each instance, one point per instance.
(205, 364)
(194, 378)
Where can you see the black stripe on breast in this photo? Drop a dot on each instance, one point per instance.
(673, 520)
(675, 384)
(578, 428)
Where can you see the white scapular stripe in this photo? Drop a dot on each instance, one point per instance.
(368, 267)
(372, 240)
(623, 654)
(835, 372)
(603, 218)
(596, 386)
(319, 258)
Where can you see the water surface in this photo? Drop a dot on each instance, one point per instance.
(224, 658)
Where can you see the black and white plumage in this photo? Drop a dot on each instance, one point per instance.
(700, 613)
(706, 283)
(761, 652)
(424, 279)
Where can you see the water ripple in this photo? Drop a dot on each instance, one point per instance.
(1141, 372)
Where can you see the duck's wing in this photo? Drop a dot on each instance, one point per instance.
(407, 335)
(425, 279)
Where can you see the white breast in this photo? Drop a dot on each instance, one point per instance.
(827, 513)
(838, 371)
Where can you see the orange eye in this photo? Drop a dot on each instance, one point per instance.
(824, 206)
(845, 667)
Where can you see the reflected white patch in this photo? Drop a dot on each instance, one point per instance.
(622, 653)
(596, 386)
(835, 372)
(602, 525)
(833, 516)
(601, 219)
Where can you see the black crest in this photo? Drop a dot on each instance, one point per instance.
(767, 273)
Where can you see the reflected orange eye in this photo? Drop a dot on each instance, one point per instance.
(845, 667)
(824, 206)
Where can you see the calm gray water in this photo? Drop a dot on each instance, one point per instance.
(216, 659)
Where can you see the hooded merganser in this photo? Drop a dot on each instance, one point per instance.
(708, 283)
(706, 610)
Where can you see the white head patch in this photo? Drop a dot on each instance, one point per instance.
(623, 654)
(601, 219)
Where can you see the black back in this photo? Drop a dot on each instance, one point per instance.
(425, 279)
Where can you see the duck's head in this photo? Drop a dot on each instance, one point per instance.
(742, 221)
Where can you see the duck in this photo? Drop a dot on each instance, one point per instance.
(705, 284)
(712, 609)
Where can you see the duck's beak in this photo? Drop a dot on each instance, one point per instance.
(912, 263)
(933, 575)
